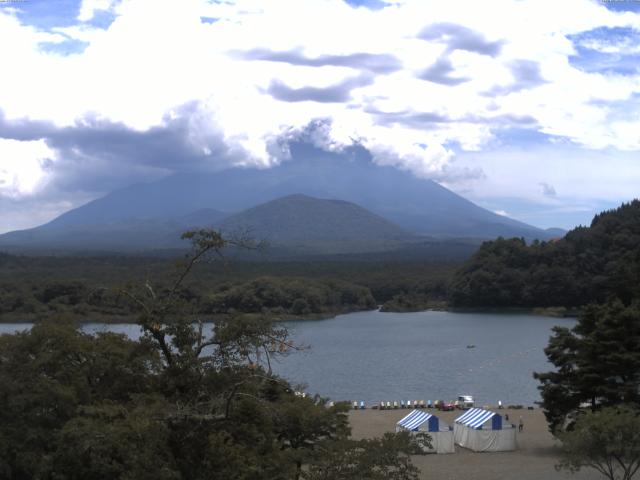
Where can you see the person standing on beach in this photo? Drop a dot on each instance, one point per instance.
(520, 424)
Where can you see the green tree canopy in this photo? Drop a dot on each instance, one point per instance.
(607, 440)
(183, 402)
(597, 362)
(590, 264)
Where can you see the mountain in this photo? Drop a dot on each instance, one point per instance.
(113, 234)
(556, 232)
(305, 224)
(418, 206)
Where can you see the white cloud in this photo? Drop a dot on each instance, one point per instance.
(22, 166)
(157, 56)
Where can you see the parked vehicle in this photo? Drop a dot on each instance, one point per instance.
(464, 402)
(445, 406)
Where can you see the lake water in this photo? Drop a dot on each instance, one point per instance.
(375, 356)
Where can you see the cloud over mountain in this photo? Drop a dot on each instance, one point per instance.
(102, 93)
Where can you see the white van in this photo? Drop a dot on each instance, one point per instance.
(464, 402)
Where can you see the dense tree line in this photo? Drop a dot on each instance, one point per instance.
(90, 287)
(180, 403)
(590, 264)
(294, 296)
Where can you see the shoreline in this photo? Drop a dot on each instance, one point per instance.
(553, 312)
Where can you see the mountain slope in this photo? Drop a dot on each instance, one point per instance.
(417, 205)
(311, 225)
(114, 234)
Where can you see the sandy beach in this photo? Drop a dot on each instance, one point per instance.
(534, 459)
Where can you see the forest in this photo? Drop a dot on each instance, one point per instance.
(91, 287)
(590, 264)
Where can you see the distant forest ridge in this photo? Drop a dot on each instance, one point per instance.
(589, 264)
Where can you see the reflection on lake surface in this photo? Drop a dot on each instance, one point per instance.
(375, 356)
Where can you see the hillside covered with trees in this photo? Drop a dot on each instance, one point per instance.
(90, 288)
(590, 264)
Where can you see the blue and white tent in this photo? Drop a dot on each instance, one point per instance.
(484, 431)
(419, 421)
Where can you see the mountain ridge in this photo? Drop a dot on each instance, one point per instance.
(313, 225)
(418, 206)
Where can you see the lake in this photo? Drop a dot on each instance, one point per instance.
(375, 356)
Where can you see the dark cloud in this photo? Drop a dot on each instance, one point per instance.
(458, 37)
(440, 72)
(432, 120)
(24, 129)
(377, 63)
(338, 93)
(97, 155)
(503, 120)
(547, 190)
(526, 74)
(423, 120)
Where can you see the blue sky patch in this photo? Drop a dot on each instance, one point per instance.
(621, 5)
(370, 4)
(45, 14)
(68, 47)
(520, 136)
(209, 19)
(607, 50)
(545, 215)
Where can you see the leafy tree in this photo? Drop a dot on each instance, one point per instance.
(376, 459)
(112, 440)
(597, 362)
(48, 374)
(607, 440)
(184, 402)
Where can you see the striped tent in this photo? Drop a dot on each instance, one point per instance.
(419, 421)
(483, 431)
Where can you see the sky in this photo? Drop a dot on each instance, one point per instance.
(530, 108)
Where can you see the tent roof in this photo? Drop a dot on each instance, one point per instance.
(414, 419)
(475, 417)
